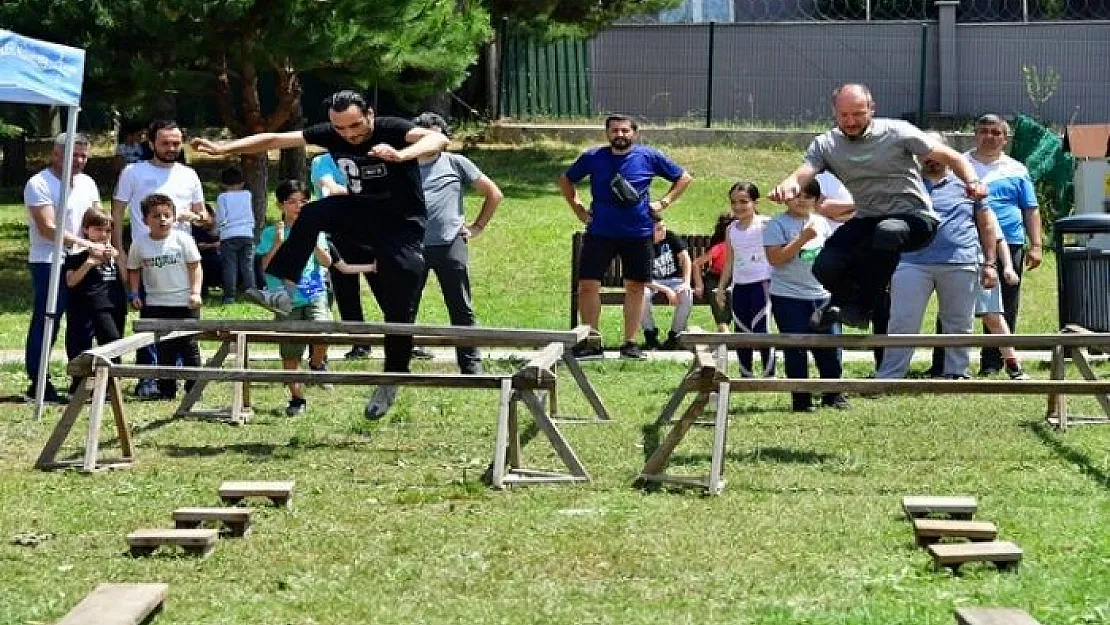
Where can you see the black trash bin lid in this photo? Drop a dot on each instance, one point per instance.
(1092, 222)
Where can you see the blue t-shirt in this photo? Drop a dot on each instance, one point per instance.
(638, 166)
(1009, 194)
(311, 284)
(957, 238)
(324, 165)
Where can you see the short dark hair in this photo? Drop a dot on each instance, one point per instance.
(96, 217)
(286, 189)
(342, 100)
(746, 187)
(618, 117)
(160, 124)
(156, 199)
(430, 119)
(231, 176)
(812, 188)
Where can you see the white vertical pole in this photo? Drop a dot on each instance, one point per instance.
(868, 10)
(60, 221)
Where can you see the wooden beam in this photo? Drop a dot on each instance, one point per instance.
(541, 368)
(868, 341)
(446, 380)
(84, 363)
(524, 336)
(924, 387)
(118, 604)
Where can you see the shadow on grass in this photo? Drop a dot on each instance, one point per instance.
(651, 436)
(1081, 460)
(780, 455)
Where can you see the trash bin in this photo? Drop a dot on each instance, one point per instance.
(1083, 270)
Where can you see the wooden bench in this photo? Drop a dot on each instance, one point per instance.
(929, 531)
(612, 285)
(1003, 554)
(279, 493)
(200, 542)
(917, 507)
(236, 520)
(118, 604)
(994, 616)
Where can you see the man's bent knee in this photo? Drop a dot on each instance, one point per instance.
(891, 235)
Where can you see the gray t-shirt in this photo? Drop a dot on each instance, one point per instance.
(443, 180)
(795, 278)
(880, 168)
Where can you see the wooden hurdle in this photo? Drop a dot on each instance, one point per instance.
(524, 385)
(706, 376)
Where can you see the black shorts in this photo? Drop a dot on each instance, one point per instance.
(598, 252)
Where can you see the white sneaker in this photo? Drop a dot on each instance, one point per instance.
(277, 302)
(381, 401)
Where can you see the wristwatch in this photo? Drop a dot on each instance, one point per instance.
(664, 202)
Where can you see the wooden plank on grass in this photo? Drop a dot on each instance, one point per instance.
(196, 541)
(994, 616)
(959, 507)
(237, 519)
(279, 492)
(1002, 553)
(932, 530)
(117, 604)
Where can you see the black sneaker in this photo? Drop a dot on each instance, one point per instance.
(422, 353)
(147, 389)
(327, 386)
(358, 352)
(671, 343)
(802, 408)
(988, 371)
(583, 351)
(297, 406)
(1016, 372)
(631, 351)
(836, 401)
(822, 319)
(49, 396)
(855, 316)
(956, 376)
(651, 339)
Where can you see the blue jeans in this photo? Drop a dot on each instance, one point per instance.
(237, 264)
(78, 335)
(792, 317)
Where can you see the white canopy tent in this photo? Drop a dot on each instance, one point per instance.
(37, 72)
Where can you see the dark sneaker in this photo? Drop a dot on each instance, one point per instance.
(651, 339)
(956, 376)
(297, 406)
(422, 353)
(584, 351)
(631, 351)
(802, 408)
(277, 302)
(855, 316)
(358, 352)
(381, 401)
(147, 389)
(822, 319)
(327, 386)
(836, 401)
(49, 396)
(1016, 372)
(671, 344)
(986, 372)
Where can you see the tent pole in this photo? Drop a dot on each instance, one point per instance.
(60, 221)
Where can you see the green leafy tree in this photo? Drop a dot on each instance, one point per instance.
(577, 16)
(139, 49)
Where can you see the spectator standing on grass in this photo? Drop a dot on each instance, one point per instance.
(41, 196)
(207, 239)
(707, 272)
(235, 222)
(447, 236)
(618, 222)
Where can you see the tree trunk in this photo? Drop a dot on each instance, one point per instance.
(293, 164)
(256, 171)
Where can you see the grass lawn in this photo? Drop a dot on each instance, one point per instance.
(391, 523)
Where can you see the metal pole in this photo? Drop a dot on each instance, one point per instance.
(868, 10)
(60, 221)
(1025, 11)
(709, 80)
(921, 76)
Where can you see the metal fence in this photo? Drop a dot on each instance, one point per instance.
(877, 10)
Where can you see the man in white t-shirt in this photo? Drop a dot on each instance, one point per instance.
(161, 174)
(41, 195)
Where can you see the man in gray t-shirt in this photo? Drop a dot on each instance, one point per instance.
(878, 160)
(446, 234)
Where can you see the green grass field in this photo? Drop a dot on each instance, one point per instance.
(391, 523)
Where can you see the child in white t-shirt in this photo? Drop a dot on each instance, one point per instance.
(747, 272)
(235, 222)
(168, 263)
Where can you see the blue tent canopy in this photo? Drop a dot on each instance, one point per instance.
(38, 72)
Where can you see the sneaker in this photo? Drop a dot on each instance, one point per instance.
(358, 352)
(147, 389)
(957, 376)
(422, 353)
(988, 371)
(836, 401)
(297, 406)
(583, 351)
(631, 351)
(802, 408)
(327, 386)
(1017, 373)
(49, 396)
(822, 319)
(277, 302)
(227, 299)
(381, 401)
(651, 339)
(671, 343)
(855, 316)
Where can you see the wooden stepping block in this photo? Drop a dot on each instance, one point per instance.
(1004, 554)
(280, 493)
(238, 520)
(117, 604)
(199, 542)
(929, 531)
(994, 616)
(952, 507)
